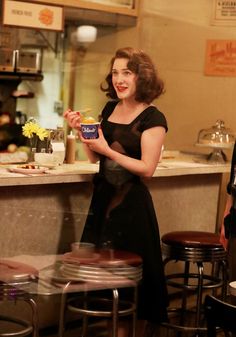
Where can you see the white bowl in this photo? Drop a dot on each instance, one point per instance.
(46, 159)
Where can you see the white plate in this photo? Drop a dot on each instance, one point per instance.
(28, 170)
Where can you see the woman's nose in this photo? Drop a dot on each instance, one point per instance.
(119, 78)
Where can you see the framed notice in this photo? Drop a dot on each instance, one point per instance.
(224, 12)
(31, 15)
(220, 58)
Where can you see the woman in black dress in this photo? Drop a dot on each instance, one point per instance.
(228, 228)
(131, 136)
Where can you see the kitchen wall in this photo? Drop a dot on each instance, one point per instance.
(175, 35)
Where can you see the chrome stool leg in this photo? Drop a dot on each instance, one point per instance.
(199, 293)
(34, 316)
(115, 312)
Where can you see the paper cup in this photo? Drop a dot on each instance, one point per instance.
(89, 131)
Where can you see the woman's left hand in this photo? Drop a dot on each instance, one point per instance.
(98, 145)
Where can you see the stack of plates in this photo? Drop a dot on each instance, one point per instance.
(102, 266)
(93, 273)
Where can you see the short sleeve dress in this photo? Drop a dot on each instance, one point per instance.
(230, 220)
(122, 215)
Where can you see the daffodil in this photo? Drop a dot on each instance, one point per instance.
(31, 129)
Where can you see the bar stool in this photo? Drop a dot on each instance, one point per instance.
(101, 294)
(204, 250)
(14, 280)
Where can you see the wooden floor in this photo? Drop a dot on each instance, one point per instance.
(99, 329)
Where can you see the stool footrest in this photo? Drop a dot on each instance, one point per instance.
(24, 327)
(92, 306)
(211, 282)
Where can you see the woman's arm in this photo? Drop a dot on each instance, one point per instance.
(151, 143)
(229, 202)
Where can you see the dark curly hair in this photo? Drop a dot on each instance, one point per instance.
(148, 87)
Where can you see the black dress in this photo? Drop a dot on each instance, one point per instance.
(122, 214)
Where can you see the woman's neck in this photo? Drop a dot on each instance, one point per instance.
(126, 111)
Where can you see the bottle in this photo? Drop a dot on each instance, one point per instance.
(70, 148)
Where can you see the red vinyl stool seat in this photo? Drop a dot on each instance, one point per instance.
(14, 279)
(195, 252)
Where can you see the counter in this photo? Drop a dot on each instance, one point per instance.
(173, 164)
(43, 214)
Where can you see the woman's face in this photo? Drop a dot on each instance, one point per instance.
(123, 79)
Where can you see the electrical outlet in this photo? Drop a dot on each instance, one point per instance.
(58, 107)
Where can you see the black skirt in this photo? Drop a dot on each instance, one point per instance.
(131, 226)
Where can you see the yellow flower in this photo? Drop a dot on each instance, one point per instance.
(30, 129)
(42, 133)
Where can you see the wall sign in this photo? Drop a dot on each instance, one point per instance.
(224, 12)
(220, 58)
(31, 15)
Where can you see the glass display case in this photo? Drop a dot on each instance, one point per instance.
(218, 137)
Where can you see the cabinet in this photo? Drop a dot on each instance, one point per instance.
(125, 7)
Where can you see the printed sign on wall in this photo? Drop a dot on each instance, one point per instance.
(224, 12)
(26, 14)
(220, 58)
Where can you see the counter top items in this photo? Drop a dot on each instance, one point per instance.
(49, 160)
(13, 158)
(28, 169)
(70, 148)
(217, 137)
(174, 163)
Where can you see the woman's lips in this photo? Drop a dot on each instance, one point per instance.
(121, 89)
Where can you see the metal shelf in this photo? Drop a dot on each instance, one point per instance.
(6, 76)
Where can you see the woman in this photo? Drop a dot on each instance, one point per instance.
(228, 228)
(131, 136)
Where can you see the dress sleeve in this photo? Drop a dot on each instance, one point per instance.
(233, 164)
(152, 118)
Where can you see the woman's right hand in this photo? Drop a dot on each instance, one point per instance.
(73, 118)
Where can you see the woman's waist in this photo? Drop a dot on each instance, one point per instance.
(116, 174)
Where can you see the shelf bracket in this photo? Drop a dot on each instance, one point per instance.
(54, 49)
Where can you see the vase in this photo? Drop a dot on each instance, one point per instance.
(33, 142)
